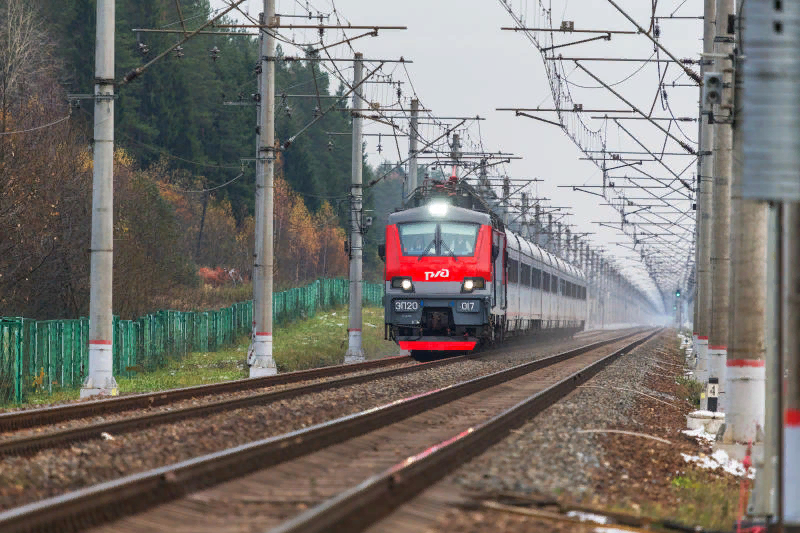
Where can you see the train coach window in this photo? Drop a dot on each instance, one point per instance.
(536, 278)
(554, 284)
(512, 271)
(569, 289)
(583, 293)
(546, 281)
(525, 275)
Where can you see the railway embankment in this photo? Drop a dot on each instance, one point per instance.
(614, 451)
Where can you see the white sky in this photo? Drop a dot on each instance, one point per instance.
(464, 65)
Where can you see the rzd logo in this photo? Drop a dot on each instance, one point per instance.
(443, 273)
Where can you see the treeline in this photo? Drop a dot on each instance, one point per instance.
(183, 199)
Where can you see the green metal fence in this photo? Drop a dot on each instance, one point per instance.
(46, 355)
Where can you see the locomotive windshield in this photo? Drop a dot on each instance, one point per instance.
(444, 239)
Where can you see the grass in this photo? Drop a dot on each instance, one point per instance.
(691, 389)
(699, 499)
(704, 500)
(309, 343)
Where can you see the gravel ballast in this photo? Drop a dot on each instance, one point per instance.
(52, 472)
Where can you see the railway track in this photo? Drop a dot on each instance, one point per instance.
(101, 503)
(32, 443)
(30, 418)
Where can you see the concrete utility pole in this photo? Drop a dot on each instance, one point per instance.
(567, 255)
(702, 321)
(413, 138)
(558, 239)
(550, 247)
(506, 192)
(262, 362)
(524, 223)
(747, 342)
(355, 353)
(100, 380)
(721, 217)
(537, 221)
(791, 350)
(771, 147)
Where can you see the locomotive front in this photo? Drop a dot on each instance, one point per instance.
(439, 277)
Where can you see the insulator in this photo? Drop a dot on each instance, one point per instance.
(178, 52)
(330, 145)
(289, 111)
(214, 53)
(317, 112)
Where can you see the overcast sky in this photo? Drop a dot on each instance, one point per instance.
(463, 64)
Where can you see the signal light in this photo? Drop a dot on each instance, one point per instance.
(678, 293)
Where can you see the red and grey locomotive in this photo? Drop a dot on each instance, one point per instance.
(456, 277)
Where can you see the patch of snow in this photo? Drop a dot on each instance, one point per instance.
(700, 434)
(588, 517)
(333, 314)
(371, 325)
(706, 414)
(339, 324)
(720, 459)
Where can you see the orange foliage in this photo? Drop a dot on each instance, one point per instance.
(307, 245)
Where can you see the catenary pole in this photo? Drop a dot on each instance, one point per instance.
(721, 210)
(262, 362)
(413, 137)
(355, 353)
(702, 323)
(100, 381)
(772, 164)
(748, 277)
(791, 350)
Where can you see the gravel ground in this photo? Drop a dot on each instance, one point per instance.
(51, 472)
(548, 458)
(517, 350)
(547, 454)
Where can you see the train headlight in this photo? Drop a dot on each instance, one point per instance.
(402, 283)
(437, 209)
(470, 284)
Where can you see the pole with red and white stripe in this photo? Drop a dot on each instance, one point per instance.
(721, 211)
(100, 380)
(355, 352)
(262, 363)
(746, 371)
(791, 351)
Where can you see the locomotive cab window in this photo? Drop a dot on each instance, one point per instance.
(459, 238)
(417, 236)
(444, 239)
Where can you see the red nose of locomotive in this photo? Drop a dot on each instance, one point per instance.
(439, 277)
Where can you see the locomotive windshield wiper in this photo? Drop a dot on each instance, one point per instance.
(444, 245)
(425, 251)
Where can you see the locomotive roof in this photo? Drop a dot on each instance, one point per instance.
(454, 214)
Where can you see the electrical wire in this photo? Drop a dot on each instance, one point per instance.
(36, 128)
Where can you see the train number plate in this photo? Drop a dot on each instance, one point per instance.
(468, 306)
(406, 306)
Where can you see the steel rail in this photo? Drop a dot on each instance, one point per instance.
(135, 493)
(28, 445)
(29, 418)
(377, 496)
